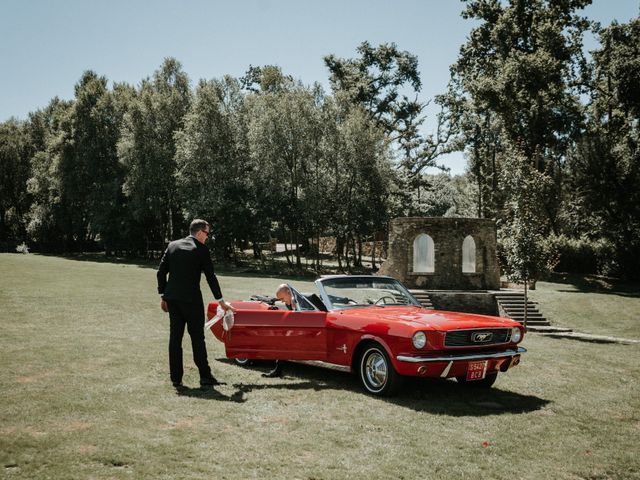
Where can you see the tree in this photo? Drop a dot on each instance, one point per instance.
(91, 175)
(46, 216)
(147, 151)
(361, 176)
(439, 196)
(117, 226)
(283, 133)
(604, 167)
(375, 81)
(268, 78)
(15, 152)
(214, 170)
(517, 84)
(521, 235)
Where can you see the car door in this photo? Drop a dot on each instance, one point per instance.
(278, 334)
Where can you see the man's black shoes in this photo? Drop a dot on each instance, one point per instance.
(204, 382)
(209, 382)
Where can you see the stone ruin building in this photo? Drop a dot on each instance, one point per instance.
(438, 253)
(452, 264)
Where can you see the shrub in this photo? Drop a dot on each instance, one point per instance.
(581, 255)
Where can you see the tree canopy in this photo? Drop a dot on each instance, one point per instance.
(550, 133)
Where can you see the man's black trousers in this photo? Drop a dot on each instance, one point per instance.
(191, 315)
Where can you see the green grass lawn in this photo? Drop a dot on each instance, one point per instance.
(86, 394)
(591, 305)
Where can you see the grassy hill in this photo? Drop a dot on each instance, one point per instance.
(86, 394)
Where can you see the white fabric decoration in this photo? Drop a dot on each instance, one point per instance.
(227, 319)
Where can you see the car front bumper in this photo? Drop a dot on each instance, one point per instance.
(452, 365)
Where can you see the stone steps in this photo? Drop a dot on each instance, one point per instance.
(512, 305)
(423, 298)
(515, 304)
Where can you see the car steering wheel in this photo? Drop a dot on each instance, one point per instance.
(378, 301)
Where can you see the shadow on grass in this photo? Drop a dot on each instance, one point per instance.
(210, 393)
(442, 397)
(447, 397)
(596, 284)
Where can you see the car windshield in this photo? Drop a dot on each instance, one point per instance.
(300, 302)
(349, 292)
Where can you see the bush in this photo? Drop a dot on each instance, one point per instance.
(22, 248)
(581, 255)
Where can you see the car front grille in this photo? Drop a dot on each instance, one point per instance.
(477, 337)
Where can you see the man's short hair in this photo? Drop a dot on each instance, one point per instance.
(197, 225)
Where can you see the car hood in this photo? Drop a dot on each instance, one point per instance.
(425, 319)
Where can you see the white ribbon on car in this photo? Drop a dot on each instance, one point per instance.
(227, 319)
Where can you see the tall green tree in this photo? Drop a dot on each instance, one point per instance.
(516, 84)
(214, 168)
(360, 177)
(284, 144)
(522, 232)
(147, 150)
(604, 168)
(368, 163)
(92, 174)
(46, 219)
(385, 81)
(85, 164)
(15, 152)
(440, 195)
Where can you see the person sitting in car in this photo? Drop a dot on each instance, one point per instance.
(284, 295)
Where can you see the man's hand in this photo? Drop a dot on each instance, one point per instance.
(226, 307)
(164, 306)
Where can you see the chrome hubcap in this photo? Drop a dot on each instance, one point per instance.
(376, 370)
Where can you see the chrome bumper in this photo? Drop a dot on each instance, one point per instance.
(453, 358)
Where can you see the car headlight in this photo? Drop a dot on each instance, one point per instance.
(419, 339)
(516, 335)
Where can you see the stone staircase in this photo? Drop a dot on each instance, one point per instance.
(423, 297)
(511, 305)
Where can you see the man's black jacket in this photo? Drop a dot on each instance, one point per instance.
(184, 261)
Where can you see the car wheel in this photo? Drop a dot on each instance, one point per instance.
(242, 361)
(377, 373)
(486, 382)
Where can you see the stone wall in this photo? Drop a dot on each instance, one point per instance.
(468, 302)
(447, 235)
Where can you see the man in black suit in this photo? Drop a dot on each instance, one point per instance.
(184, 261)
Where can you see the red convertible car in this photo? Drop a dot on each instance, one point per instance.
(373, 326)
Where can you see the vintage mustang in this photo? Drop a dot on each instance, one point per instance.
(373, 326)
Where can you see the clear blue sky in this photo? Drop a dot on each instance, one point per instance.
(46, 45)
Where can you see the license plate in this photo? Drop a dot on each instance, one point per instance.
(476, 370)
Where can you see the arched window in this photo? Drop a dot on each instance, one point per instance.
(423, 254)
(468, 255)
